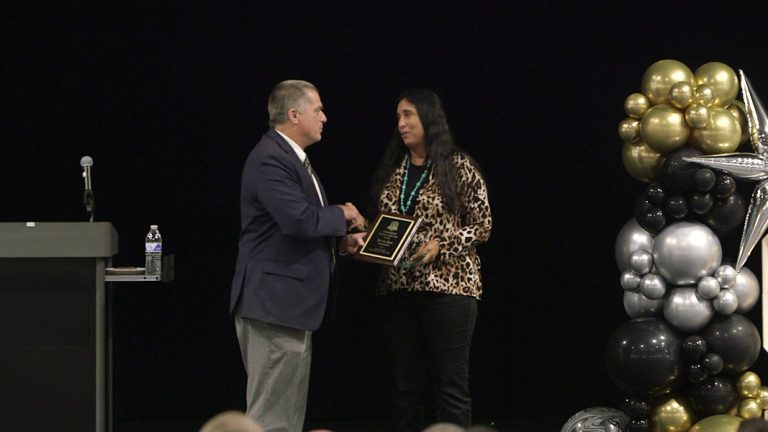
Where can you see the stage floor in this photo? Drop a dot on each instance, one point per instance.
(358, 425)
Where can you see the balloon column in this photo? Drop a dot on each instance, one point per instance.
(683, 358)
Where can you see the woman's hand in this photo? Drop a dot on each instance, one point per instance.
(426, 253)
(351, 243)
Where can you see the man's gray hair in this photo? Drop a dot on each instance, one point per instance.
(231, 421)
(286, 95)
(444, 427)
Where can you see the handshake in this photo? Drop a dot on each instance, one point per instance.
(355, 221)
(352, 242)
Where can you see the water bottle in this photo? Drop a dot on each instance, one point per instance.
(153, 247)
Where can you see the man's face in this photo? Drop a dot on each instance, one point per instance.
(311, 119)
(409, 124)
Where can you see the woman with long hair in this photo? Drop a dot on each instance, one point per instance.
(428, 309)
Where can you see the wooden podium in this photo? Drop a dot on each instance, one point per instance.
(53, 353)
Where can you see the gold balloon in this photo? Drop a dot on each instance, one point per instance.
(681, 94)
(748, 385)
(739, 111)
(749, 409)
(661, 76)
(636, 104)
(722, 135)
(722, 79)
(718, 423)
(641, 161)
(664, 128)
(629, 130)
(671, 416)
(698, 116)
(762, 397)
(704, 95)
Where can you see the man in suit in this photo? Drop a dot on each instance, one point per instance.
(286, 255)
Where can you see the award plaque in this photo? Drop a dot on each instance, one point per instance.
(388, 238)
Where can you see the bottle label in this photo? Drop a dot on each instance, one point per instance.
(153, 247)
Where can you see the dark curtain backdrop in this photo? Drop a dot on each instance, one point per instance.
(169, 98)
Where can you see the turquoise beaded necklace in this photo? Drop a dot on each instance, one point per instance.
(405, 206)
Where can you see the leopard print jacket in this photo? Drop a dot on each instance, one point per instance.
(456, 269)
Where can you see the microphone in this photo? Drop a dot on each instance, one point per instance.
(87, 162)
(88, 198)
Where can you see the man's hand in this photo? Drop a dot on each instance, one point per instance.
(355, 221)
(350, 211)
(426, 253)
(351, 243)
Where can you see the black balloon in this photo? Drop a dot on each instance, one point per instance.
(639, 425)
(696, 372)
(656, 194)
(647, 214)
(643, 205)
(735, 339)
(727, 214)
(676, 208)
(715, 395)
(704, 179)
(694, 348)
(713, 363)
(644, 357)
(677, 174)
(753, 425)
(725, 185)
(636, 408)
(652, 220)
(701, 203)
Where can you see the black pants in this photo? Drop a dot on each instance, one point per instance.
(429, 335)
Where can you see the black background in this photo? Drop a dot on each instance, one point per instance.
(169, 98)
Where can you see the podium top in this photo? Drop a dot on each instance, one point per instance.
(57, 239)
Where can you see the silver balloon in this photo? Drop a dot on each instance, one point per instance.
(745, 166)
(686, 310)
(653, 286)
(630, 281)
(641, 261)
(685, 252)
(726, 302)
(755, 224)
(747, 290)
(756, 117)
(708, 287)
(726, 275)
(637, 305)
(748, 166)
(597, 419)
(632, 237)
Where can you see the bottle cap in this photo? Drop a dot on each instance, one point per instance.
(153, 227)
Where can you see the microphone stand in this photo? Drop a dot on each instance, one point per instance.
(88, 198)
(90, 203)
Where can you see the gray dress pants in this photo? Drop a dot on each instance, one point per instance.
(277, 361)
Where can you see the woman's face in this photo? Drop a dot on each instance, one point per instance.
(409, 125)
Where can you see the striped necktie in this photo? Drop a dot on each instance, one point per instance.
(308, 166)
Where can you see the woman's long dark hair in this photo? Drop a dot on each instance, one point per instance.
(439, 140)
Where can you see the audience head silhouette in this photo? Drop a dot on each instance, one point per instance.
(444, 427)
(231, 421)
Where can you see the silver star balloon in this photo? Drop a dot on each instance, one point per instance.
(748, 166)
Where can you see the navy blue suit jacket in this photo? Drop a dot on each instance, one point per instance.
(284, 258)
